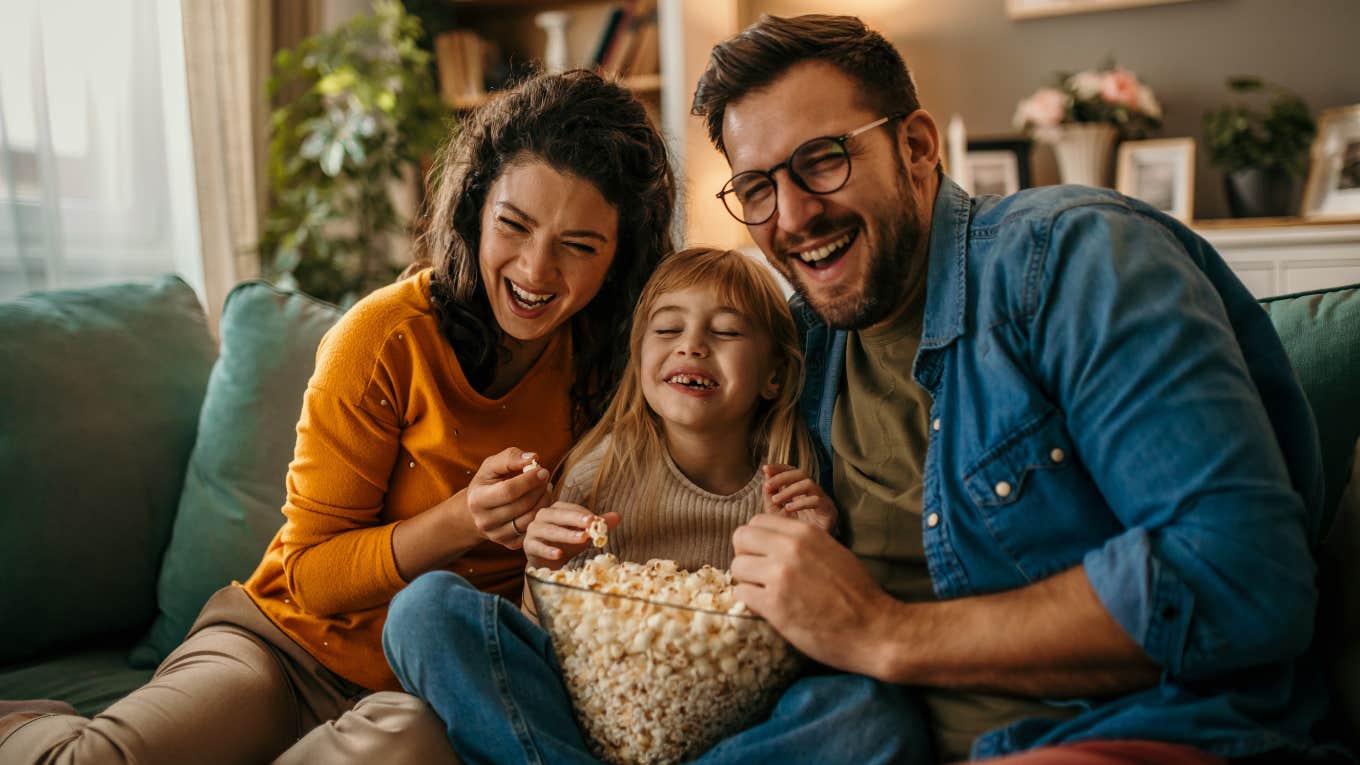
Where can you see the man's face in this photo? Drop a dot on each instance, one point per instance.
(856, 255)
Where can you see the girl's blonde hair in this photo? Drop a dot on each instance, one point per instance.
(636, 452)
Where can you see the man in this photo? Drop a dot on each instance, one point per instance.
(1078, 480)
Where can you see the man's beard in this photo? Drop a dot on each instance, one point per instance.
(891, 279)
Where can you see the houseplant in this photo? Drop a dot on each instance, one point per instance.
(1084, 114)
(365, 113)
(1260, 142)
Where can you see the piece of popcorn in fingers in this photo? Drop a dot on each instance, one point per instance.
(531, 467)
(598, 531)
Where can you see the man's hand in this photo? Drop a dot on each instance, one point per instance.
(790, 492)
(813, 591)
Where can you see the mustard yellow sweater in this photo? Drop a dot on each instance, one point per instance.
(390, 428)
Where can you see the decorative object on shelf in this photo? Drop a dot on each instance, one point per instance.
(1034, 9)
(554, 25)
(1084, 114)
(1259, 148)
(367, 113)
(1333, 189)
(998, 166)
(1161, 173)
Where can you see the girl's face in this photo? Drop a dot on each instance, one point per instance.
(548, 240)
(705, 365)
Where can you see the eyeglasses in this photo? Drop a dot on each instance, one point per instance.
(818, 166)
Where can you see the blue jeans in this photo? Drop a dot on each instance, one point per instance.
(490, 674)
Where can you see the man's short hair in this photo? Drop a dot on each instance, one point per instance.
(765, 50)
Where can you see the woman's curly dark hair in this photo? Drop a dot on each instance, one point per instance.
(579, 124)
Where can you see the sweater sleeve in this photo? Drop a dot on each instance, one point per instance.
(338, 555)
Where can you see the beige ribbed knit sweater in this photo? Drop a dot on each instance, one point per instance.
(688, 525)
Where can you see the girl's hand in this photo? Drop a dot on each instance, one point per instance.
(790, 493)
(558, 533)
(502, 497)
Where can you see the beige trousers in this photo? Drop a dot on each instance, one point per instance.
(238, 690)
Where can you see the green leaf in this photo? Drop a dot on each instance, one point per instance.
(332, 158)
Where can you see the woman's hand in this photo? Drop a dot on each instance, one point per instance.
(790, 493)
(558, 533)
(503, 497)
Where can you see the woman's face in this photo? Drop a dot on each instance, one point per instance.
(548, 240)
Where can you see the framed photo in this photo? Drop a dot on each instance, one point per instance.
(1333, 189)
(1034, 9)
(1161, 173)
(999, 166)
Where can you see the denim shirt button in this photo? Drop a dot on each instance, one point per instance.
(935, 425)
(933, 520)
(1057, 455)
(1003, 489)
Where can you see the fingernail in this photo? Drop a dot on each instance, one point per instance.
(529, 456)
(543, 474)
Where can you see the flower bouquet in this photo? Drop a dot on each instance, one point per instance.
(1112, 95)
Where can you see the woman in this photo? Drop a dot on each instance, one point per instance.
(553, 207)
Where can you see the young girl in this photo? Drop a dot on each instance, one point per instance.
(702, 435)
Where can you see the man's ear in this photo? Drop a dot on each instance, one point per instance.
(919, 144)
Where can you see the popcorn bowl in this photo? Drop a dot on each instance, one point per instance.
(658, 678)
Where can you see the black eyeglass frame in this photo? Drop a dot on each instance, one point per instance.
(787, 164)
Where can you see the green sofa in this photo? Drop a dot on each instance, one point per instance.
(144, 467)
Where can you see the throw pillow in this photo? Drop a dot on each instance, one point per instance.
(1321, 333)
(234, 489)
(99, 396)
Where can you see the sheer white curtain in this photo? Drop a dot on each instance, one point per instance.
(96, 162)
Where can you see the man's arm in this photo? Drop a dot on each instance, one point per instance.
(1051, 638)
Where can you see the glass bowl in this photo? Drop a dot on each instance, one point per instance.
(659, 682)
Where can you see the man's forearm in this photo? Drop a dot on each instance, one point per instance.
(1052, 638)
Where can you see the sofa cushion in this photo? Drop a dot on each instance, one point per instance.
(99, 396)
(1321, 333)
(234, 490)
(87, 679)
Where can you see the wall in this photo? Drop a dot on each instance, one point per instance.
(968, 57)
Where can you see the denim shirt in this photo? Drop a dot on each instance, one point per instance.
(1107, 394)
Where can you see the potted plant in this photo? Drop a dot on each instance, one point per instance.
(1260, 147)
(366, 113)
(1084, 114)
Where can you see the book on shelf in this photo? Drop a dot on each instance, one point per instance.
(632, 43)
(461, 58)
(611, 26)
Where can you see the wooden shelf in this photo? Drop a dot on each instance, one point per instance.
(1229, 224)
(642, 85)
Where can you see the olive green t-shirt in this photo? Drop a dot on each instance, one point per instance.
(879, 434)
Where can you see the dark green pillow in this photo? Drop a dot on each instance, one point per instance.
(99, 396)
(234, 490)
(1321, 333)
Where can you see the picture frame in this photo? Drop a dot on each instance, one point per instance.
(1036, 9)
(1332, 190)
(998, 166)
(1160, 172)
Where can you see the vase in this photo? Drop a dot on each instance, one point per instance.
(1255, 192)
(1083, 150)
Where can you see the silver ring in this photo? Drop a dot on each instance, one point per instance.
(518, 533)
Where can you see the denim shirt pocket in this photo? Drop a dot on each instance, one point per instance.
(1035, 499)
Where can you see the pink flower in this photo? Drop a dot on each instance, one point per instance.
(1121, 88)
(1087, 84)
(1045, 109)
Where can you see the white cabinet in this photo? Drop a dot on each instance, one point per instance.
(1277, 256)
